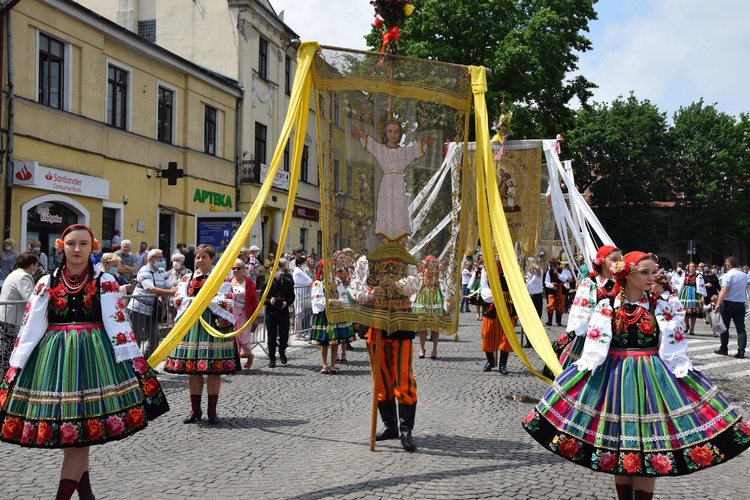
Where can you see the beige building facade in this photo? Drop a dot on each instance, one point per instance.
(96, 116)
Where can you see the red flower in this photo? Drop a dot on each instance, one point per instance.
(189, 366)
(529, 417)
(168, 364)
(120, 304)
(607, 461)
(121, 338)
(177, 365)
(68, 433)
(151, 387)
(27, 310)
(29, 433)
(140, 365)
(661, 463)
(594, 334)
(229, 365)
(39, 288)
(218, 366)
(378, 23)
(3, 395)
(59, 303)
(745, 427)
(44, 433)
(646, 327)
(10, 374)
(223, 323)
(631, 463)
(115, 426)
(177, 302)
(584, 302)
(607, 313)
(576, 301)
(702, 456)
(568, 447)
(667, 315)
(131, 336)
(135, 418)
(109, 286)
(562, 339)
(120, 317)
(202, 365)
(93, 429)
(679, 336)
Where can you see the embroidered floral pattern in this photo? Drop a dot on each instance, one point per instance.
(659, 463)
(701, 456)
(567, 447)
(604, 461)
(742, 432)
(630, 463)
(200, 366)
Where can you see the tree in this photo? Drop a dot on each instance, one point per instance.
(621, 156)
(707, 177)
(531, 46)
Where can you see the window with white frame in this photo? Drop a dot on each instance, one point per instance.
(210, 130)
(263, 58)
(117, 96)
(165, 114)
(51, 77)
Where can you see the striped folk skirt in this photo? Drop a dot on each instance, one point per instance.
(691, 301)
(429, 301)
(200, 353)
(324, 334)
(72, 392)
(632, 417)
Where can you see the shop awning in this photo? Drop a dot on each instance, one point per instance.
(175, 210)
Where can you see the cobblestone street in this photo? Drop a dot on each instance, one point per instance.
(294, 433)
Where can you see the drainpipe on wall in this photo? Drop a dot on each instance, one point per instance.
(11, 97)
(238, 150)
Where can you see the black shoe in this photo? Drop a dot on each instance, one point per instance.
(272, 363)
(193, 417)
(488, 367)
(503, 370)
(527, 345)
(723, 352)
(740, 355)
(548, 323)
(559, 324)
(282, 358)
(388, 432)
(213, 420)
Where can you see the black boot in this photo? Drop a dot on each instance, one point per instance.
(643, 495)
(624, 491)
(549, 319)
(65, 489)
(213, 419)
(84, 488)
(502, 362)
(195, 413)
(390, 420)
(490, 362)
(558, 318)
(406, 416)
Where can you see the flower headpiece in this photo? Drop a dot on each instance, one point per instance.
(390, 16)
(628, 264)
(601, 254)
(59, 244)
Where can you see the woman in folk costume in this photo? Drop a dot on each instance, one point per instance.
(633, 405)
(600, 284)
(245, 295)
(429, 302)
(323, 333)
(691, 282)
(342, 273)
(76, 376)
(199, 353)
(493, 336)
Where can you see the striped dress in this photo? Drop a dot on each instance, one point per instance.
(429, 300)
(324, 333)
(199, 352)
(689, 296)
(633, 405)
(76, 376)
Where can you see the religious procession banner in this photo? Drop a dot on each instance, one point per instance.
(518, 174)
(396, 191)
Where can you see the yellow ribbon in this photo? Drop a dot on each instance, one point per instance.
(495, 236)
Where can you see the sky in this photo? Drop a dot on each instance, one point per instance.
(669, 52)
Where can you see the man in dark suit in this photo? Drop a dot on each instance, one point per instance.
(278, 302)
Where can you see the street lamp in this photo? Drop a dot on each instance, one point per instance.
(340, 203)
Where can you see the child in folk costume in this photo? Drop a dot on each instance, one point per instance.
(600, 284)
(323, 333)
(633, 405)
(76, 376)
(342, 273)
(429, 301)
(392, 218)
(493, 336)
(556, 284)
(688, 293)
